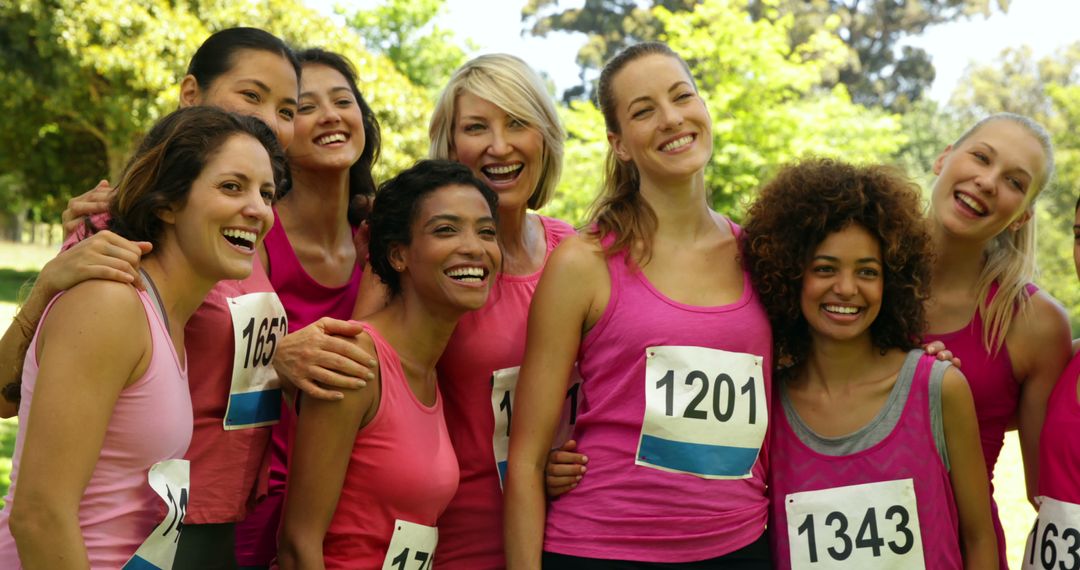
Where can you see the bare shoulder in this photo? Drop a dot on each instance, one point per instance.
(954, 386)
(103, 303)
(1043, 326)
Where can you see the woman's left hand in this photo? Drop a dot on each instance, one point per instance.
(325, 353)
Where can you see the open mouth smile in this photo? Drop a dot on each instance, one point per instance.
(243, 239)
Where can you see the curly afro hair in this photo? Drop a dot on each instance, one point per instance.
(805, 203)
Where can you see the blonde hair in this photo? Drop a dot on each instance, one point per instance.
(1010, 255)
(620, 209)
(510, 84)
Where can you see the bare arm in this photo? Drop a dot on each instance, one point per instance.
(569, 299)
(1039, 345)
(325, 435)
(88, 353)
(971, 486)
(104, 255)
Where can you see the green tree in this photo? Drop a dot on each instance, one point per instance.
(403, 31)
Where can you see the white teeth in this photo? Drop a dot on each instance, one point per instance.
(970, 202)
(842, 310)
(503, 169)
(245, 236)
(677, 143)
(330, 138)
(466, 273)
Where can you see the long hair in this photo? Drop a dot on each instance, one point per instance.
(1010, 256)
(511, 85)
(361, 180)
(216, 55)
(620, 209)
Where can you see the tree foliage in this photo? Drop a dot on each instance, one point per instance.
(84, 79)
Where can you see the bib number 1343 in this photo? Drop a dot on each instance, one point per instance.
(874, 525)
(705, 411)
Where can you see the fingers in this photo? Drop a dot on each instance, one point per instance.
(89, 203)
(313, 390)
(342, 328)
(564, 469)
(555, 492)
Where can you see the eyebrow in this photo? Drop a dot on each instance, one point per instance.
(455, 219)
(332, 91)
(860, 260)
(266, 89)
(240, 175)
(674, 86)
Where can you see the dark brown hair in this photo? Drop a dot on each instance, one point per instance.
(805, 203)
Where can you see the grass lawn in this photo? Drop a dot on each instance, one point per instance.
(21, 262)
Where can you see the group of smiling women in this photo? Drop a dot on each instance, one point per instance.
(241, 360)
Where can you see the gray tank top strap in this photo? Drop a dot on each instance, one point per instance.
(867, 436)
(937, 425)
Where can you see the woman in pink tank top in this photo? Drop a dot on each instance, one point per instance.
(650, 301)
(1013, 340)
(106, 414)
(854, 443)
(371, 474)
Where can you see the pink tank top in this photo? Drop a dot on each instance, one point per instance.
(305, 301)
(150, 422)
(227, 466)
(402, 467)
(906, 457)
(995, 390)
(489, 339)
(1059, 448)
(625, 510)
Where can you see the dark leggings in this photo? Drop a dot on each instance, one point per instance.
(754, 556)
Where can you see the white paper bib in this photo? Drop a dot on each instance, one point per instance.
(705, 411)
(170, 479)
(412, 547)
(1054, 542)
(874, 525)
(503, 385)
(259, 322)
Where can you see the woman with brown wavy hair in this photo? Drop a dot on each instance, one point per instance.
(868, 431)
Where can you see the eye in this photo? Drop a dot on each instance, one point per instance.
(268, 195)
(344, 102)
(287, 113)
(981, 156)
(869, 272)
(684, 96)
(823, 269)
(473, 128)
(251, 96)
(517, 124)
(231, 186)
(1017, 183)
(487, 232)
(305, 108)
(641, 112)
(444, 229)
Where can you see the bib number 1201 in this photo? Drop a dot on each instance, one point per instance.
(723, 396)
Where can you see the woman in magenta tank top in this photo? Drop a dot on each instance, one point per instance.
(1013, 340)
(673, 348)
(1053, 538)
(875, 457)
(105, 414)
(311, 261)
(371, 474)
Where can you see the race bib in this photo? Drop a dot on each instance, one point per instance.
(1054, 542)
(705, 411)
(503, 383)
(259, 322)
(170, 479)
(412, 547)
(875, 525)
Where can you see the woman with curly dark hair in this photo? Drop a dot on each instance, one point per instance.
(876, 461)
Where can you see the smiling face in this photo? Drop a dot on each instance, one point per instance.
(985, 182)
(227, 211)
(260, 83)
(842, 285)
(329, 129)
(501, 150)
(453, 256)
(664, 127)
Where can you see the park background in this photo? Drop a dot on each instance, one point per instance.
(863, 80)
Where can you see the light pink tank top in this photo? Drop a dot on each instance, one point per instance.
(150, 422)
(626, 511)
(402, 466)
(908, 452)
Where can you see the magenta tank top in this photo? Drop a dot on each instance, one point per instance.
(844, 521)
(402, 467)
(639, 500)
(150, 422)
(1059, 446)
(995, 390)
(486, 340)
(305, 301)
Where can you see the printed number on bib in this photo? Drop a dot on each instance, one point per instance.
(503, 384)
(170, 479)
(875, 525)
(705, 411)
(1054, 542)
(259, 322)
(412, 547)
